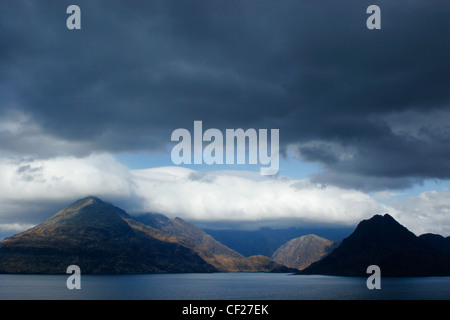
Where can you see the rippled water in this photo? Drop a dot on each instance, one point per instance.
(219, 286)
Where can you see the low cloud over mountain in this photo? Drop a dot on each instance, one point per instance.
(33, 188)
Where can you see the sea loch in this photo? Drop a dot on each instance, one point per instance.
(221, 286)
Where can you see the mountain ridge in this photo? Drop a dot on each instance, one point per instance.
(100, 238)
(382, 241)
(103, 238)
(265, 240)
(211, 250)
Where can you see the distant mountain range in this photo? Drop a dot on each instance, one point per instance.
(265, 241)
(212, 251)
(382, 241)
(103, 239)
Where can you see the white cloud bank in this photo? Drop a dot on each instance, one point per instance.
(428, 212)
(194, 195)
(248, 197)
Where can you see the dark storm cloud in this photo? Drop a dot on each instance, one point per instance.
(137, 71)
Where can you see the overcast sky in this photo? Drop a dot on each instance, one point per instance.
(363, 115)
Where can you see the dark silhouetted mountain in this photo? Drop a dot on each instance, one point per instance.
(382, 241)
(100, 238)
(212, 251)
(301, 252)
(265, 241)
(437, 241)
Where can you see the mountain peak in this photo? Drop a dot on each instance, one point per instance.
(301, 252)
(382, 226)
(89, 211)
(89, 200)
(382, 241)
(382, 218)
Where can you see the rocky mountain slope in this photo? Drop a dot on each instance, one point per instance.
(212, 251)
(301, 252)
(103, 239)
(100, 238)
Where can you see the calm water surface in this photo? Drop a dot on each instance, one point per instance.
(218, 286)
